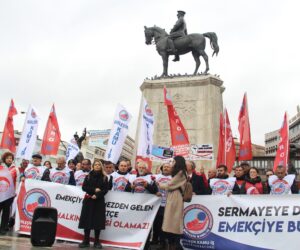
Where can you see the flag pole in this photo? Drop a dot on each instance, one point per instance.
(288, 141)
(225, 128)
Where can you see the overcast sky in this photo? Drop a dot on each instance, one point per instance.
(87, 56)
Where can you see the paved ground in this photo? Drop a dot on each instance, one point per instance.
(12, 241)
(15, 242)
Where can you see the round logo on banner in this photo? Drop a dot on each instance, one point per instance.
(124, 115)
(280, 187)
(59, 177)
(148, 110)
(33, 199)
(4, 184)
(120, 184)
(198, 221)
(33, 114)
(220, 187)
(32, 173)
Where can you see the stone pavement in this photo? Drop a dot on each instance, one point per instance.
(15, 242)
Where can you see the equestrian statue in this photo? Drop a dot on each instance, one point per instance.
(179, 42)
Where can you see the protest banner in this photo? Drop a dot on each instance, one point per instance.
(129, 217)
(242, 222)
(161, 154)
(197, 152)
(201, 152)
(98, 138)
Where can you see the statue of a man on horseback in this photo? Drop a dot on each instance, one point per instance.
(179, 30)
(179, 43)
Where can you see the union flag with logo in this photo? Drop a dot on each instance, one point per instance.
(8, 138)
(51, 139)
(245, 152)
(226, 153)
(282, 154)
(179, 136)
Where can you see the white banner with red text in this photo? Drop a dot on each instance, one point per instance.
(129, 217)
(242, 222)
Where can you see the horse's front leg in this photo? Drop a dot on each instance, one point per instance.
(165, 59)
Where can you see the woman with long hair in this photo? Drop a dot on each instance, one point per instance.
(93, 207)
(173, 216)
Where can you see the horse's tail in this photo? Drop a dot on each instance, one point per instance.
(213, 41)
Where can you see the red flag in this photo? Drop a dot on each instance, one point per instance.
(221, 152)
(179, 136)
(51, 137)
(230, 153)
(282, 153)
(8, 137)
(245, 152)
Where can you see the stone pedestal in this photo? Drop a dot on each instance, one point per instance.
(197, 100)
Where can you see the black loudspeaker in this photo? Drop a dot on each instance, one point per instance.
(43, 227)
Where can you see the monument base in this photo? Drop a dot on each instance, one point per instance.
(198, 102)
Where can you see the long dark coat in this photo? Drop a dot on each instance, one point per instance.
(93, 211)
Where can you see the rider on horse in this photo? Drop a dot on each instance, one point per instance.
(179, 30)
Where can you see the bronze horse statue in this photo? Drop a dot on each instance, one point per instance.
(194, 43)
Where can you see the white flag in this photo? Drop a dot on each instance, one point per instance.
(117, 134)
(72, 150)
(146, 132)
(28, 138)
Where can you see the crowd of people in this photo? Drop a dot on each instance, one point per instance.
(168, 182)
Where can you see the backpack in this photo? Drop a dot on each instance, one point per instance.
(187, 194)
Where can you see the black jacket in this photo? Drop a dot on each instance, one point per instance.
(198, 184)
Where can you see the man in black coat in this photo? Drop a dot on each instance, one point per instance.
(196, 180)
